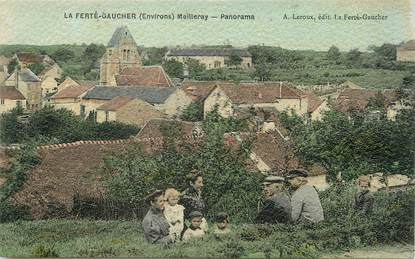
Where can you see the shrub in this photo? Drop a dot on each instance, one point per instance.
(10, 212)
(44, 251)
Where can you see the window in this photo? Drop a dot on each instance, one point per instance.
(109, 52)
(2, 101)
(107, 115)
(248, 64)
(217, 64)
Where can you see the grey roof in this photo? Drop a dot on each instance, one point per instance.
(209, 52)
(149, 94)
(28, 76)
(120, 34)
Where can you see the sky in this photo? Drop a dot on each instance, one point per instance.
(43, 22)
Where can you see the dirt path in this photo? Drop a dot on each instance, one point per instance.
(392, 252)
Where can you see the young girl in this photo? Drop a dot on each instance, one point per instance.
(195, 229)
(174, 213)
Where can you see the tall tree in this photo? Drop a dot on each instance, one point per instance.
(174, 68)
(333, 54)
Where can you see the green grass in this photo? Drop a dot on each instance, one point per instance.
(71, 238)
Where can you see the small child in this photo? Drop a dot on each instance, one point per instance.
(222, 224)
(174, 213)
(194, 230)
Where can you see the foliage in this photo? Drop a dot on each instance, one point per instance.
(10, 212)
(93, 52)
(334, 54)
(262, 72)
(193, 112)
(154, 56)
(344, 229)
(63, 55)
(357, 145)
(44, 251)
(233, 60)
(13, 65)
(195, 68)
(23, 161)
(12, 130)
(354, 57)
(133, 174)
(49, 125)
(174, 68)
(36, 68)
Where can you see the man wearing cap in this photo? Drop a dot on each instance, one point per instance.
(305, 203)
(155, 225)
(277, 207)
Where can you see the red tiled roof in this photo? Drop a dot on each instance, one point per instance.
(28, 57)
(154, 128)
(72, 92)
(115, 104)
(268, 92)
(357, 94)
(353, 99)
(199, 90)
(313, 101)
(410, 45)
(144, 76)
(9, 92)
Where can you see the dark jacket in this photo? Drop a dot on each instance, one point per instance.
(192, 201)
(156, 227)
(277, 209)
(364, 200)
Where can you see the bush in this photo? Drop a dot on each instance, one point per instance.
(44, 251)
(10, 212)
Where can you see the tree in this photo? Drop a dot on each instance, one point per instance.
(174, 68)
(13, 65)
(12, 130)
(262, 72)
(195, 68)
(333, 54)
(386, 51)
(36, 68)
(193, 112)
(233, 60)
(353, 57)
(93, 52)
(63, 55)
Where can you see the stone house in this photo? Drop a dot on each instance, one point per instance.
(406, 52)
(210, 57)
(10, 98)
(228, 97)
(70, 98)
(54, 71)
(121, 53)
(28, 58)
(163, 99)
(153, 76)
(67, 82)
(316, 106)
(199, 90)
(49, 86)
(127, 110)
(26, 82)
(4, 73)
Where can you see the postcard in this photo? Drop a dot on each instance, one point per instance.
(207, 129)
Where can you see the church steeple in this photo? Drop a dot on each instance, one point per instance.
(122, 52)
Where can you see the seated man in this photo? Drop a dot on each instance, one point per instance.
(277, 207)
(305, 203)
(155, 225)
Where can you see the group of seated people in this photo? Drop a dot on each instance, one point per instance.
(164, 223)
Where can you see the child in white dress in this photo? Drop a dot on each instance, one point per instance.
(174, 213)
(195, 230)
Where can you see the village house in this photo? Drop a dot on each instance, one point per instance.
(406, 52)
(70, 98)
(25, 59)
(127, 110)
(26, 82)
(10, 98)
(280, 95)
(168, 100)
(67, 82)
(316, 106)
(211, 57)
(199, 90)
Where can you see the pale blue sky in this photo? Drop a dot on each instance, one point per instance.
(42, 22)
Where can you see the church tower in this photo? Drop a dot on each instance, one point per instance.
(122, 52)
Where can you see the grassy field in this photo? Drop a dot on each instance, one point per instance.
(70, 238)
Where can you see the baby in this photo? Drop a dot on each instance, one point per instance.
(222, 224)
(195, 230)
(174, 213)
